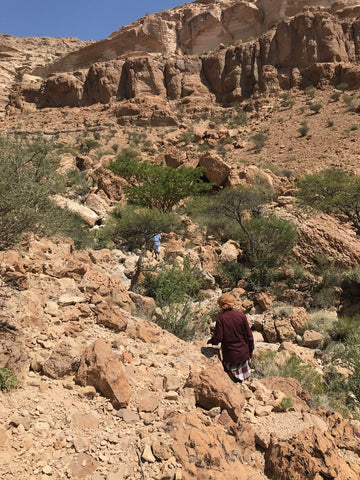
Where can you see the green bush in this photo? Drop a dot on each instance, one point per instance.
(174, 289)
(173, 284)
(157, 186)
(269, 240)
(8, 379)
(303, 130)
(315, 107)
(231, 273)
(178, 320)
(28, 180)
(342, 86)
(259, 140)
(335, 96)
(134, 227)
(332, 191)
(286, 403)
(87, 145)
(293, 367)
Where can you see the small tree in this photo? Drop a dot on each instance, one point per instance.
(158, 186)
(28, 179)
(333, 191)
(135, 228)
(270, 239)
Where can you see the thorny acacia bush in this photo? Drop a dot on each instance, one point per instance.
(133, 227)
(157, 186)
(333, 191)
(28, 180)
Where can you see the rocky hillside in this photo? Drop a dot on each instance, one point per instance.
(105, 393)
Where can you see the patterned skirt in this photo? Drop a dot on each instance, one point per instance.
(238, 373)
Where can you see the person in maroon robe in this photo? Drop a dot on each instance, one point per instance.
(237, 342)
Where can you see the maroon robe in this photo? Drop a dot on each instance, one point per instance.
(233, 331)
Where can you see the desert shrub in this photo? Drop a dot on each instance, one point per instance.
(173, 290)
(266, 366)
(204, 147)
(326, 293)
(178, 320)
(269, 240)
(315, 107)
(333, 191)
(28, 180)
(303, 130)
(232, 272)
(310, 91)
(286, 403)
(158, 186)
(330, 123)
(133, 227)
(88, 144)
(259, 140)
(188, 136)
(97, 135)
(342, 86)
(286, 100)
(346, 354)
(280, 172)
(224, 213)
(78, 182)
(115, 147)
(8, 379)
(322, 321)
(173, 284)
(335, 96)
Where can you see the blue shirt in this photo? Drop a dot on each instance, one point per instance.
(156, 239)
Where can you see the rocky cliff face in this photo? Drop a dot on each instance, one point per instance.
(313, 48)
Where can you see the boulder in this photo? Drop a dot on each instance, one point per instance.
(312, 339)
(213, 388)
(100, 367)
(110, 316)
(63, 361)
(215, 169)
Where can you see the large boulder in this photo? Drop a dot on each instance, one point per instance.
(214, 388)
(215, 169)
(100, 367)
(63, 360)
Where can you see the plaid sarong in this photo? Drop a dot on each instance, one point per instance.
(238, 373)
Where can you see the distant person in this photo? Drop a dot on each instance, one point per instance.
(156, 245)
(237, 342)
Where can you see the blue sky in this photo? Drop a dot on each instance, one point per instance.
(83, 19)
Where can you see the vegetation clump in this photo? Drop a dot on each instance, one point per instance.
(8, 380)
(157, 186)
(29, 179)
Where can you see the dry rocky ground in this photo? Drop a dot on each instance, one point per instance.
(105, 393)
